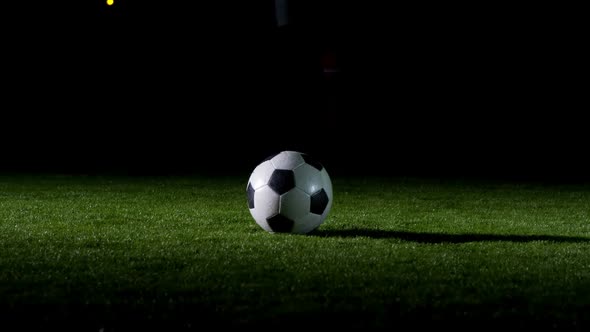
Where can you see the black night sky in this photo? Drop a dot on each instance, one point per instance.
(163, 87)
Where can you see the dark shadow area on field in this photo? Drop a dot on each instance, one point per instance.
(443, 238)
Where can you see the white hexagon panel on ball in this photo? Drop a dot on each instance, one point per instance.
(289, 192)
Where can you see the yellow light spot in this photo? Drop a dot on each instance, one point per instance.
(110, 2)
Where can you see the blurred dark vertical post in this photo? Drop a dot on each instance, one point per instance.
(281, 12)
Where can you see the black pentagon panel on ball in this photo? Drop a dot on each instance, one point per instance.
(319, 202)
(280, 224)
(309, 160)
(250, 192)
(281, 181)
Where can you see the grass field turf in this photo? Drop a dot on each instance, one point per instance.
(113, 253)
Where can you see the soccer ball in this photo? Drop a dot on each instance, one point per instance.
(289, 192)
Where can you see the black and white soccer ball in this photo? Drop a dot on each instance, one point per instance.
(289, 192)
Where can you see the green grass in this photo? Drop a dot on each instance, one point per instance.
(184, 252)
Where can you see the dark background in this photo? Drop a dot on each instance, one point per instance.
(195, 87)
